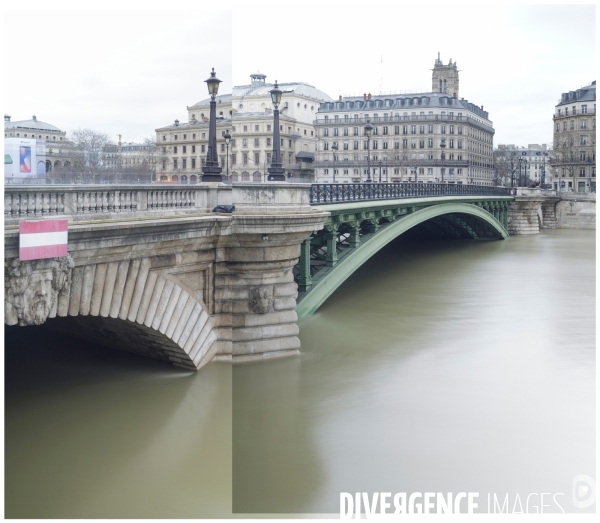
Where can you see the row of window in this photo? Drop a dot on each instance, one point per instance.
(584, 110)
(18, 135)
(387, 116)
(203, 147)
(182, 163)
(374, 144)
(385, 130)
(413, 156)
(583, 125)
(570, 141)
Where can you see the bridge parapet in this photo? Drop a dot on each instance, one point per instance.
(102, 202)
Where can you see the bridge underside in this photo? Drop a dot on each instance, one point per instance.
(349, 239)
(123, 335)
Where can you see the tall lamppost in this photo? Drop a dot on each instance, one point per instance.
(386, 170)
(443, 146)
(211, 172)
(380, 162)
(334, 147)
(276, 171)
(368, 130)
(543, 174)
(227, 137)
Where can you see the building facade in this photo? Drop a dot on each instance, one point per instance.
(431, 137)
(131, 162)
(248, 115)
(523, 166)
(50, 138)
(574, 161)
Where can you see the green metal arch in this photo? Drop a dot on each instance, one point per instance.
(325, 287)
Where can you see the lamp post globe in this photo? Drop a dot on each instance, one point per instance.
(211, 172)
(276, 171)
(368, 131)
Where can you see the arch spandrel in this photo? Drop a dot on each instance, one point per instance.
(327, 285)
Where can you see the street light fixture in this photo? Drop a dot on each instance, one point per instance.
(368, 130)
(211, 172)
(227, 137)
(380, 171)
(276, 171)
(334, 146)
(443, 146)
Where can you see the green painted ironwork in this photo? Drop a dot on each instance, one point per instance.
(356, 231)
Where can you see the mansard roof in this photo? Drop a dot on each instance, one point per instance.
(401, 101)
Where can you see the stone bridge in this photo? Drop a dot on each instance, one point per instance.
(153, 270)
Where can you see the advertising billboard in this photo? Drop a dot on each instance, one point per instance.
(22, 160)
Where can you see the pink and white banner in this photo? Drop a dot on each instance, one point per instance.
(43, 239)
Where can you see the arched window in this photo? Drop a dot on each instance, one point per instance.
(184, 178)
(245, 176)
(175, 178)
(256, 176)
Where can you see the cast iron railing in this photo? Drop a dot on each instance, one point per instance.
(322, 193)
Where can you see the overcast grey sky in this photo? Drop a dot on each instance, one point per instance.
(130, 71)
(514, 60)
(119, 72)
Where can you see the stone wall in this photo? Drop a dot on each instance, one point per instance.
(179, 287)
(576, 212)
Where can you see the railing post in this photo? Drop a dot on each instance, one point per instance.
(304, 278)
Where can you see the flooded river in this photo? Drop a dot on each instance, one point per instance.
(442, 366)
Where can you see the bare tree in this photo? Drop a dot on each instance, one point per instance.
(507, 165)
(88, 153)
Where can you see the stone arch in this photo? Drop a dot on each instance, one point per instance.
(48, 166)
(56, 165)
(327, 285)
(137, 306)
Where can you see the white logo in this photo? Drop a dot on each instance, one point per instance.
(584, 491)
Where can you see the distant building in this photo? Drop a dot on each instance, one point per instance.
(248, 115)
(425, 137)
(128, 162)
(523, 166)
(574, 162)
(52, 139)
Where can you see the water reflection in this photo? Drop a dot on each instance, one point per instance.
(444, 366)
(441, 366)
(97, 433)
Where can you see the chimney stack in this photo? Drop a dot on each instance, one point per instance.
(369, 96)
(364, 96)
(340, 97)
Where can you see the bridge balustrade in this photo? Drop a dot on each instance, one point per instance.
(324, 193)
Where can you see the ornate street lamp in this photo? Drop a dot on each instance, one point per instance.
(334, 146)
(443, 146)
(276, 171)
(227, 137)
(368, 130)
(211, 172)
(380, 171)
